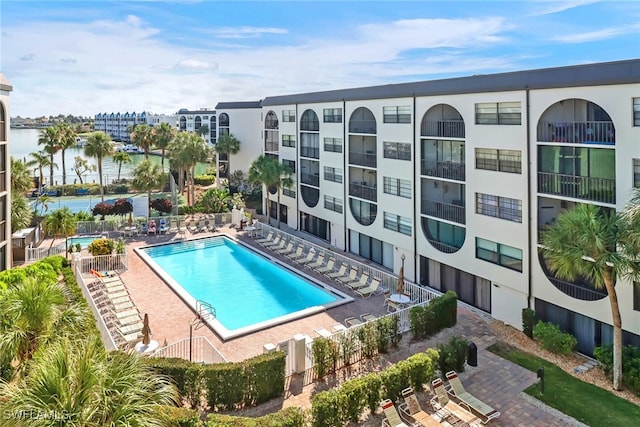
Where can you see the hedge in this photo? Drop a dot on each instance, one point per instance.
(338, 406)
(287, 417)
(440, 313)
(630, 365)
(180, 417)
(226, 386)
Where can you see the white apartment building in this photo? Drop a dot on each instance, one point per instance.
(249, 115)
(193, 120)
(5, 175)
(457, 176)
(118, 125)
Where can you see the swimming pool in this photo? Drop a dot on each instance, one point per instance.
(84, 241)
(249, 291)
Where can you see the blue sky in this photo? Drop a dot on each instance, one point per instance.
(102, 56)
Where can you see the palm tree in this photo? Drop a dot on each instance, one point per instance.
(147, 176)
(600, 246)
(227, 144)
(49, 139)
(273, 175)
(142, 137)
(21, 213)
(42, 160)
(66, 139)
(163, 135)
(77, 378)
(60, 222)
(99, 146)
(186, 150)
(81, 166)
(21, 179)
(121, 157)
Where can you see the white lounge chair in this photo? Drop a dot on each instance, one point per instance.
(318, 263)
(309, 258)
(327, 268)
(286, 250)
(373, 287)
(467, 399)
(362, 282)
(391, 416)
(351, 277)
(442, 402)
(335, 274)
(296, 254)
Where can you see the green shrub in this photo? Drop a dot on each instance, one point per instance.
(326, 410)
(553, 339)
(368, 336)
(204, 180)
(630, 365)
(180, 417)
(453, 355)
(321, 349)
(58, 262)
(528, 320)
(441, 312)
(101, 247)
(287, 417)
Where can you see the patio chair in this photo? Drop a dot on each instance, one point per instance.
(411, 408)
(362, 282)
(316, 264)
(327, 268)
(274, 242)
(348, 278)
(322, 332)
(373, 287)
(266, 239)
(163, 226)
(352, 321)
(286, 250)
(296, 254)
(202, 226)
(306, 260)
(335, 274)
(391, 416)
(151, 229)
(192, 226)
(457, 390)
(442, 402)
(279, 246)
(367, 317)
(173, 226)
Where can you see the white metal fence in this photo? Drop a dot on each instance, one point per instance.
(36, 254)
(197, 349)
(117, 262)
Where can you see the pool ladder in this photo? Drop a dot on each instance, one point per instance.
(204, 311)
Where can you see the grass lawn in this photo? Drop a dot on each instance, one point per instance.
(583, 401)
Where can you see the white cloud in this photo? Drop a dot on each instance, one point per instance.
(591, 36)
(550, 7)
(243, 32)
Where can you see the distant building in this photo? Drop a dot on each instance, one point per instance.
(194, 120)
(5, 175)
(118, 125)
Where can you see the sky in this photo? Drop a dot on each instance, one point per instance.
(89, 57)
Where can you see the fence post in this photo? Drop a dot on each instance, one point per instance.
(299, 353)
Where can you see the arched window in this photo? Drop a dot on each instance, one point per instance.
(223, 120)
(309, 121)
(362, 120)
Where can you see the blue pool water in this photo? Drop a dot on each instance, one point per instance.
(84, 241)
(244, 287)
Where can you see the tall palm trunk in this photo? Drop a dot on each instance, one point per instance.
(278, 206)
(617, 331)
(100, 179)
(51, 169)
(64, 169)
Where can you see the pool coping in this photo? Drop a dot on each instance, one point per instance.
(215, 325)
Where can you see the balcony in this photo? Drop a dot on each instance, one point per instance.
(443, 128)
(311, 152)
(450, 211)
(364, 191)
(362, 126)
(363, 158)
(578, 187)
(581, 290)
(598, 133)
(271, 146)
(310, 179)
(447, 170)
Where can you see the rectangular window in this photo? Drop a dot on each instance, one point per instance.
(397, 114)
(636, 173)
(397, 187)
(498, 253)
(499, 160)
(397, 223)
(333, 204)
(332, 174)
(333, 145)
(289, 192)
(289, 116)
(397, 150)
(498, 113)
(499, 207)
(291, 164)
(288, 140)
(636, 111)
(332, 115)
(636, 296)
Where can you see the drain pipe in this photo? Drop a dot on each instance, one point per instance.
(416, 215)
(529, 200)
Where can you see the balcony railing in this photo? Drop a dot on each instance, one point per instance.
(312, 152)
(448, 211)
(602, 133)
(369, 192)
(444, 247)
(363, 159)
(362, 126)
(578, 187)
(577, 291)
(311, 179)
(443, 128)
(448, 170)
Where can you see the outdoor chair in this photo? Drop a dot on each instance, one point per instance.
(163, 226)
(367, 317)
(266, 239)
(362, 282)
(391, 416)
(351, 277)
(352, 321)
(202, 226)
(275, 242)
(173, 226)
(309, 258)
(151, 229)
(335, 274)
(286, 250)
(316, 264)
(327, 268)
(448, 407)
(279, 246)
(457, 390)
(192, 226)
(411, 408)
(296, 254)
(366, 292)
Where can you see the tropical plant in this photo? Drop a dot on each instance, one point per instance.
(77, 380)
(227, 144)
(269, 172)
(42, 160)
(162, 136)
(21, 213)
(99, 146)
(60, 222)
(66, 139)
(147, 176)
(49, 139)
(21, 179)
(142, 137)
(162, 205)
(121, 157)
(215, 200)
(203, 130)
(185, 151)
(122, 207)
(81, 166)
(102, 209)
(101, 247)
(600, 246)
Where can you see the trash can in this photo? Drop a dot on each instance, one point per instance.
(472, 354)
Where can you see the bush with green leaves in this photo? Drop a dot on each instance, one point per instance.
(287, 417)
(630, 365)
(101, 247)
(204, 180)
(453, 355)
(528, 320)
(180, 417)
(553, 339)
(162, 205)
(440, 313)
